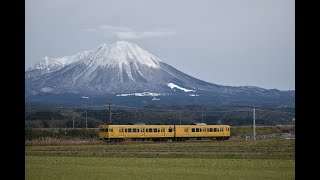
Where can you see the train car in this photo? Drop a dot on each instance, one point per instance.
(214, 132)
(163, 132)
(143, 132)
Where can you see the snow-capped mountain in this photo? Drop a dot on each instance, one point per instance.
(124, 69)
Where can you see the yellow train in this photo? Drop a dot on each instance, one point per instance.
(163, 132)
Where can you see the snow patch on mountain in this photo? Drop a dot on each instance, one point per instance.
(193, 95)
(46, 89)
(143, 94)
(171, 85)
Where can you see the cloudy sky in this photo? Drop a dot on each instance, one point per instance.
(226, 42)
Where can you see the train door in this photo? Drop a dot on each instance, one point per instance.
(186, 131)
(121, 132)
(142, 132)
(163, 133)
(111, 133)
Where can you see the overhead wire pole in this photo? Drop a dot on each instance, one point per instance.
(73, 118)
(86, 117)
(254, 123)
(110, 111)
(202, 113)
(85, 97)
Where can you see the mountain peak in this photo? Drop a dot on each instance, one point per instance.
(124, 53)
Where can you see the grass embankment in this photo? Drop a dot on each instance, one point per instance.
(262, 159)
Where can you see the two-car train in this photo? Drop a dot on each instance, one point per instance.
(163, 132)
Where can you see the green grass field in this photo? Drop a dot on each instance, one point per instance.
(263, 159)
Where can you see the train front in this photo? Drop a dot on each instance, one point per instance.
(103, 132)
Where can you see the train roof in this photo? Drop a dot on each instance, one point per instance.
(162, 125)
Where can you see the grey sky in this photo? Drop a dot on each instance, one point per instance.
(226, 42)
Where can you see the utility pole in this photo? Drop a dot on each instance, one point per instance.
(202, 113)
(110, 111)
(73, 118)
(254, 123)
(86, 117)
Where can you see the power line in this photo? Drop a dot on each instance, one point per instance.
(153, 109)
(178, 110)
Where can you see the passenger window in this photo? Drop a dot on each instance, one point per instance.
(193, 130)
(214, 129)
(154, 129)
(185, 129)
(147, 130)
(138, 130)
(158, 129)
(197, 129)
(150, 129)
(211, 129)
(162, 130)
(200, 129)
(134, 130)
(170, 129)
(129, 130)
(125, 130)
(204, 129)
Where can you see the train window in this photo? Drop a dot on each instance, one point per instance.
(193, 130)
(154, 129)
(200, 129)
(170, 129)
(120, 130)
(142, 130)
(129, 130)
(150, 129)
(134, 130)
(211, 129)
(204, 129)
(103, 130)
(221, 130)
(111, 130)
(185, 129)
(197, 129)
(125, 130)
(215, 130)
(138, 130)
(162, 129)
(158, 129)
(218, 129)
(147, 130)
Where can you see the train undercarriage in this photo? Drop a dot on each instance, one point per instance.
(165, 139)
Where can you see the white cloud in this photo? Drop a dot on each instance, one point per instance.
(122, 32)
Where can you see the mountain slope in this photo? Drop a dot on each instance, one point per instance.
(125, 69)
